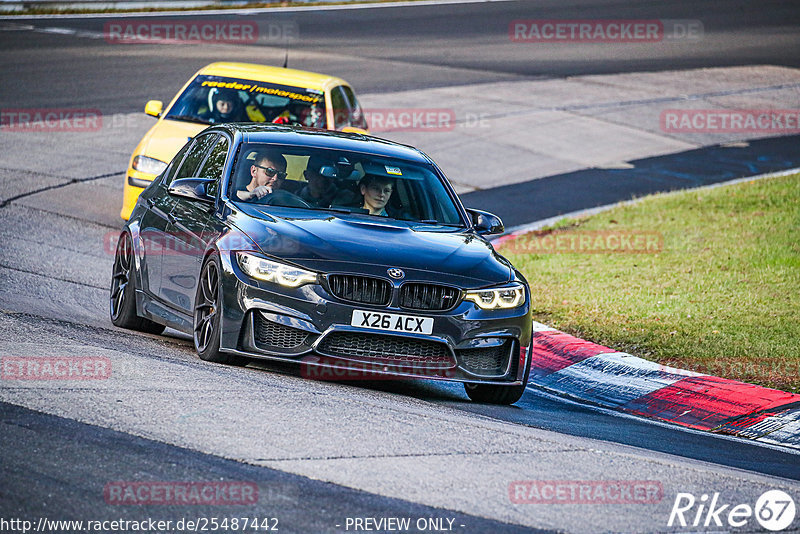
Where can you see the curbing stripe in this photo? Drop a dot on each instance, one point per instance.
(782, 429)
(553, 351)
(614, 379)
(759, 424)
(708, 402)
(539, 327)
(592, 373)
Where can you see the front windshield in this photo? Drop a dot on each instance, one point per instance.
(216, 99)
(339, 181)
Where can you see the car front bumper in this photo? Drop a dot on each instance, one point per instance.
(311, 326)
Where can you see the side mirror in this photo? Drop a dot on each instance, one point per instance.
(193, 189)
(486, 223)
(154, 108)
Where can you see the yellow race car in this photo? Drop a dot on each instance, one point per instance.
(238, 92)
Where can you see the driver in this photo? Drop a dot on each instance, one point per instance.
(267, 174)
(225, 106)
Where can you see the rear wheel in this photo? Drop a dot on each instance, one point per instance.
(493, 394)
(122, 301)
(207, 316)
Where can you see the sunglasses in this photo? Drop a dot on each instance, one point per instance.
(272, 172)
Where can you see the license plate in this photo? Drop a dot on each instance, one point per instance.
(392, 322)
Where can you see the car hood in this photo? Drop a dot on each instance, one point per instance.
(166, 137)
(333, 243)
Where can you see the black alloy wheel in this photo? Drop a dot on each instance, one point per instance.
(207, 315)
(122, 301)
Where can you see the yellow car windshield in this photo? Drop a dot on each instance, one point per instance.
(217, 99)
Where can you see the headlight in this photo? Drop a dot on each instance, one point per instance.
(148, 165)
(506, 297)
(273, 271)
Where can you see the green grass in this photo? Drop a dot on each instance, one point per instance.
(721, 297)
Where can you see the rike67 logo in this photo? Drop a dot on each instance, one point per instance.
(774, 510)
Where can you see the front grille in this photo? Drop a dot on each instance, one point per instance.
(270, 335)
(354, 345)
(486, 361)
(420, 296)
(361, 289)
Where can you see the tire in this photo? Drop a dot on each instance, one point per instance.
(122, 299)
(207, 315)
(493, 394)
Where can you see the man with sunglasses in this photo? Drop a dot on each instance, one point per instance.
(267, 174)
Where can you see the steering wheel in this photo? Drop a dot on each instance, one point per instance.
(282, 197)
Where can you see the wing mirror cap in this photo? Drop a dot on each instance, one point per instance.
(192, 188)
(154, 108)
(486, 223)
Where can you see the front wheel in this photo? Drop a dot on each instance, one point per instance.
(207, 316)
(122, 302)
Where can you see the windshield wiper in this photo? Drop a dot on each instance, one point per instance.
(437, 223)
(187, 118)
(344, 209)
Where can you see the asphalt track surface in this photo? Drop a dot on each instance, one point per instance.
(54, 465)
(391, 49)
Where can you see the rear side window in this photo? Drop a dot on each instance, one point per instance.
(346, 109)
(195, 157)
(357, 117)
(341, 110)
(215, 162)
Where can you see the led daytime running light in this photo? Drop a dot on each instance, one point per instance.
(497, 298)
(273, 271)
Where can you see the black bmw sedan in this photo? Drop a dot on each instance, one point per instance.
(350, 255)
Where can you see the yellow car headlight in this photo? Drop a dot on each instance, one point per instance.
(148, 165)
(273, 271)
(506, 297)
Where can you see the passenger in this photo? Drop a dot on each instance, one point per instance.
(320, 190)
(225, 106)
(267, 174)
(376, 190)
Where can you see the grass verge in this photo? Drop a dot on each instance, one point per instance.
(707, 280)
